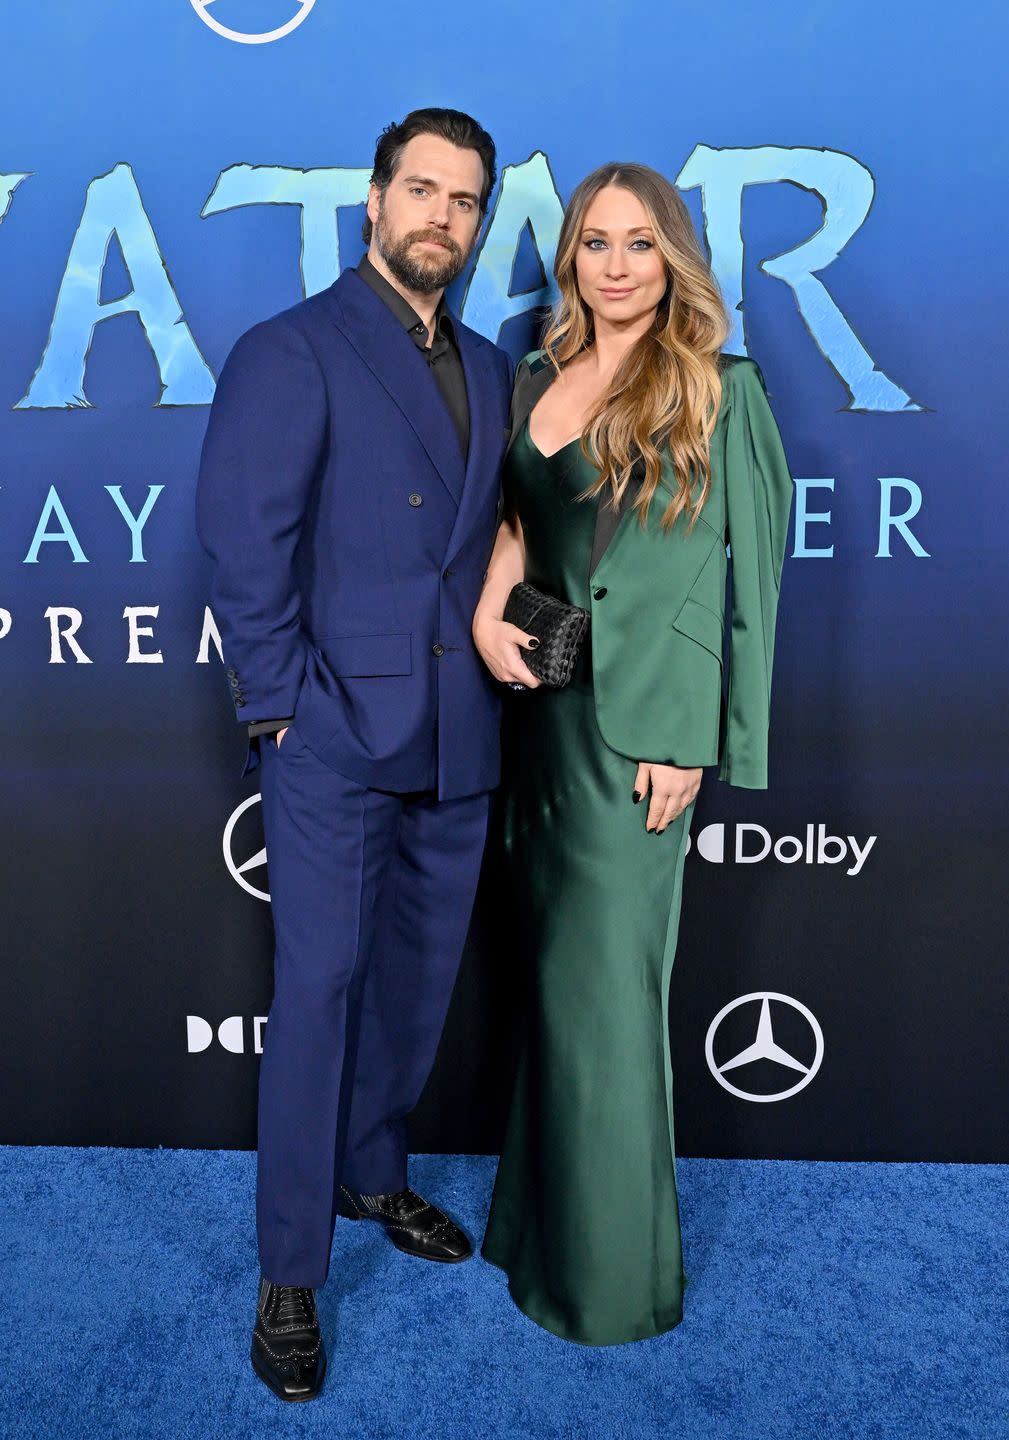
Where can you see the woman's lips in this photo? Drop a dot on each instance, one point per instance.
(616, 294)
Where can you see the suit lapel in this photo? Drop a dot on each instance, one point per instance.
(394, 360)
(485, 438)
(530, 387)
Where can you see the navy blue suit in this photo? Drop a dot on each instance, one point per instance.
(349, 537)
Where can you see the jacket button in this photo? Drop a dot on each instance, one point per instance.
(231, 672)
(446, 574)
(438, 650)
(416, 499)
(598, 594)
(239, 700)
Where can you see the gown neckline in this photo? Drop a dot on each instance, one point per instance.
(575, 439)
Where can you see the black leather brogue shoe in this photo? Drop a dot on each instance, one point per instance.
(412, 1224)
(287, 1349)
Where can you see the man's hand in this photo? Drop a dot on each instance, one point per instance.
(672, 791)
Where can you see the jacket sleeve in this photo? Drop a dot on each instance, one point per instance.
(264, 443)
(758, 490)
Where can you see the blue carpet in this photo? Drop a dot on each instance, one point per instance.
(825, 1300)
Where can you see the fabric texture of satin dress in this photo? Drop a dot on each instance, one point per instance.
(584, 1216)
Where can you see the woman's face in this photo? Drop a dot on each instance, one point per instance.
(620, 271)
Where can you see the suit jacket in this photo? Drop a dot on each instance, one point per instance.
(349, 538)
(659, 607)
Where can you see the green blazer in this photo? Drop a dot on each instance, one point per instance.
(659, 612)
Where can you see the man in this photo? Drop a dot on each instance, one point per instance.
(348, 496)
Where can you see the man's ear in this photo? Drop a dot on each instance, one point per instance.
(374, 201)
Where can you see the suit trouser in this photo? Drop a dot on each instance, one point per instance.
(372, 894)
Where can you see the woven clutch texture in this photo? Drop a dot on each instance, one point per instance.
(559, 628)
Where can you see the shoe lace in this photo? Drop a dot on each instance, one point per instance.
(294, 1306)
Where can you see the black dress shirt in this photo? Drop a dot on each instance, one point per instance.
(442, 355)
(443, 361)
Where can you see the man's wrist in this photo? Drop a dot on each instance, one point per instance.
(268, 727)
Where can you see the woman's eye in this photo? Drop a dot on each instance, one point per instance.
(595, 243)
(644, 244)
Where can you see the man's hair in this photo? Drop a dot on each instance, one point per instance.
(451, 125)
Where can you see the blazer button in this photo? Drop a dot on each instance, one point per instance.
(231, 672)
(416, 499)
(598, 594)
(438, 650)
(239, 700)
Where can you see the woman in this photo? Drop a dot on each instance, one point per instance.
(638, 450)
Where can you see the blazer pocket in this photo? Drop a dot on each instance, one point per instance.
(350, 655)
(701, 624)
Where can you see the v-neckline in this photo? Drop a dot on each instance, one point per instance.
(529, 431)
(553, 453)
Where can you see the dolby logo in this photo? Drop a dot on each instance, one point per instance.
(231, 1034)
(752, 843)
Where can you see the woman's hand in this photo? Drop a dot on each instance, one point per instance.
(672, 789)
(500, 645)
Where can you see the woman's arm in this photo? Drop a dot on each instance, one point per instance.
(500, 644)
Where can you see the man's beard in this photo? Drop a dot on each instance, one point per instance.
(421, 274)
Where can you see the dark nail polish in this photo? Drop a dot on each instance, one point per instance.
(636, 796)
(534, 644)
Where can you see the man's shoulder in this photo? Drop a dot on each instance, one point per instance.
(305, 316)
(290, 332)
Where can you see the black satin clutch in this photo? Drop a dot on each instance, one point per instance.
(559, 628)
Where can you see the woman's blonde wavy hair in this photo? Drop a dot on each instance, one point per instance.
(666, 391)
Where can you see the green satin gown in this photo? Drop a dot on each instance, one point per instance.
(584, 1217)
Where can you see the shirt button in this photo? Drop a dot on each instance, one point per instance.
(416, 500)
(438, 650)
(598, 594)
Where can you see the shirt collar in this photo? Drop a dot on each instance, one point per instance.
(403, 310)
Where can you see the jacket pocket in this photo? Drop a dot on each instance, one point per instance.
(349, 655)
(701, 624)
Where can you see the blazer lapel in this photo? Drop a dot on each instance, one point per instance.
(394, 360)
(484, 457)
(530, 387)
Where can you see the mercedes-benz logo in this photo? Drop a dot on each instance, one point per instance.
(202, 8)
(764, 1046)
(239, 870)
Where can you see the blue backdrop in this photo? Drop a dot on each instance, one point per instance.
(165, 182)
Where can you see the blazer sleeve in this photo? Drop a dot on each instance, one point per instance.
(264, 444)
(758, 490)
